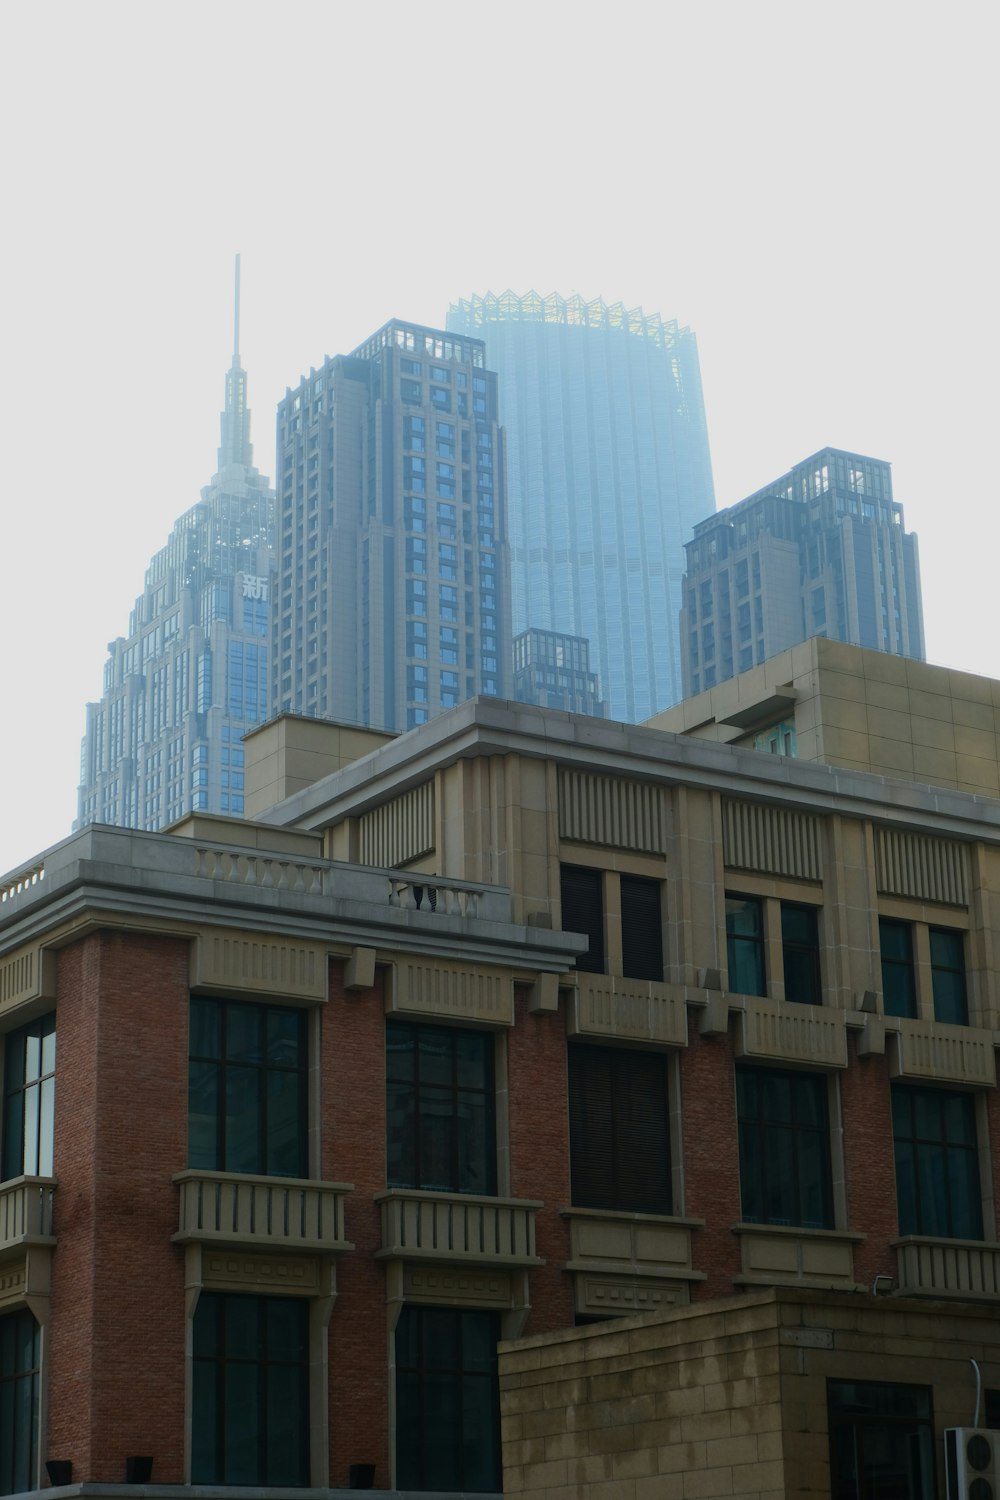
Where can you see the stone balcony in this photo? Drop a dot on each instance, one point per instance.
(626, 1263)
(26, 1214)
(275, 1214)
(932, 1267)
(457, 1227)
(787, 1255)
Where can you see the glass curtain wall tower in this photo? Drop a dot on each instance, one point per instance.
(608, 471)
(393, 583)
(190, 678)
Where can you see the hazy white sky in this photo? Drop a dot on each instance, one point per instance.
(811, 187)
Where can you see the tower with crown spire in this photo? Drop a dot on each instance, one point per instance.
(190, 676)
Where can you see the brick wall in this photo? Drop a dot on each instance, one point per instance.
(117, 1342)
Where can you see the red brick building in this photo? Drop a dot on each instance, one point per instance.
(301, 1115)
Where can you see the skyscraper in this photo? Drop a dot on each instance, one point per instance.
(393, 579)
(820, 551)
(608, 471)
(190, 677)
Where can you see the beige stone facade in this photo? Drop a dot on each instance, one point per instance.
(864, 710)
(730, 1398)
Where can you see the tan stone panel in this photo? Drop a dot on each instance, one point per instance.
(839, 744)
(451, 992)
(844, 685)
(936, 767)
(232, 961)
(894, 695)
(848, 714)
(888, 724)
(977, 715)
(891, 757)
(882, 670)
(976, 775)
(931, 705)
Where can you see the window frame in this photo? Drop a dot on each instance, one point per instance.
(209, 1400)
(752, 944)
(29, 1100)
(759, 1152)
(417, 1114)
(921, 1217)
(426, 1327)
(223, 1066)
(622, 912)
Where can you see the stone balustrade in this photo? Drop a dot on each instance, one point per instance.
(932, 1267)
(457, 1227)
(26, 1213)
(267, 1213)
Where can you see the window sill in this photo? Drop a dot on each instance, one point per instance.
(638, 1243)
(789, 1255)
(930, 1266)
(457, 1227)
(287, 1214)
(789, 1031)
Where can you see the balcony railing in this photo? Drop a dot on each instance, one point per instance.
(947, 1268)
(457, 1227)
(267, 1213)
(26, 1213)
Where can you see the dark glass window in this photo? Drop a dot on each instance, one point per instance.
(800, 953)
(642, 928)
(250, 1407)
(937, 1163)
(618, 1124)
(898, 986)
(948, 976)
(447, 1403)
(247, 1088)
(745, 945)
(784, 1137)
(582, 895)
(19, 1365)
(29, 1086)
(881, 1441)
(440, 1109)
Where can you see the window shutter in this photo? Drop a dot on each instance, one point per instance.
(619, 1144)
(642, 928)
(582, 895)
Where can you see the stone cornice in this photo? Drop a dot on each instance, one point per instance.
(489, 726)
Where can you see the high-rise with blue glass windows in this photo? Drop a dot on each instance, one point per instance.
(191, 676)
(608, 472)
(392, 596)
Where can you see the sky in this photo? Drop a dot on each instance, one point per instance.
(811, 187)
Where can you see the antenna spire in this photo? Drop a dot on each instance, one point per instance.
(236, 319)
(235, 447)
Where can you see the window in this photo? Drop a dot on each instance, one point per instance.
(581, 894)
(642, 928)
(784, 1140)
(29, 1086)
(440, 1109)
(250, 1406)
(19, 1396)
(745, 945)
(447, 1401)
(881, 1441)
(898, 986)
(619, 1139)
(247, 1088)
(937, 1163)
(948, 976)
(800, 953)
